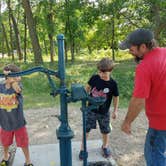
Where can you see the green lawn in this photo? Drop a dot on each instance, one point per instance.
(36, 89)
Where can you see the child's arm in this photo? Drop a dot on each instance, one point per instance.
(16, 84)
(115, 105)
(16, 87)
(88, 88)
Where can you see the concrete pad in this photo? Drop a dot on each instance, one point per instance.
(48, 155)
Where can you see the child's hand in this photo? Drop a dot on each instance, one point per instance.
(18, 79)
(114, 115)
(6, 72)
(16, 87)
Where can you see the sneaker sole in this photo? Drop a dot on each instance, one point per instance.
(106, 156)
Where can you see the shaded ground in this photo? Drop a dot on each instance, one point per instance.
(126, 150)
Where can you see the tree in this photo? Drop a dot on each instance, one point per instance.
(16, 31)
(46, 10)
(32, 31)
(51, 30)
(25, 38)
(4, 34)
(87, 24)
(73, 25)
(11, 37)
(157, 17)
(150, 14)
(5, 37)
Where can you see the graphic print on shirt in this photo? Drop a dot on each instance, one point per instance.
(8, 101)
(99, 93)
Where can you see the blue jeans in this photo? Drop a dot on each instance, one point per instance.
(155, 147)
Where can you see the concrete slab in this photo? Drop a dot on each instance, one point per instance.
(48, 155)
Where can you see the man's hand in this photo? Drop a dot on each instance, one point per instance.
(126, 127)
(135, 107)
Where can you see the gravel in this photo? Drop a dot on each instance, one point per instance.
(126, 150)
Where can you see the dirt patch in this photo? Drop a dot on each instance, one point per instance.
(127, 150)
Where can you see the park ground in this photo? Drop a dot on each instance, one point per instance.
(126, 150)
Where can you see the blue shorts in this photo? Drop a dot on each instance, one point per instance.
(155, 147)
(103, 121)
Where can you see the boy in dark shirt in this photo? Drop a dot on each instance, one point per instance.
(101, 85)
(12, 120)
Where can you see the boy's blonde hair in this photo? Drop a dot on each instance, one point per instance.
(105, 64)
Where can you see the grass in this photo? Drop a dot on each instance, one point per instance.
(37, 90)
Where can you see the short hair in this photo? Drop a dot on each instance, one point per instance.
(105, 64)
(12, 68)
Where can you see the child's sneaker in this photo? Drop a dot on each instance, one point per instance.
(4, 163)
(28, 164)
(81, 154)
(106, 152)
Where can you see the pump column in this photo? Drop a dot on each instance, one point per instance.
(64, 132)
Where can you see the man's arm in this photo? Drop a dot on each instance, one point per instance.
(135, 107)
(115, 105)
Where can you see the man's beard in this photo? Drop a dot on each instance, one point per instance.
(138, 59)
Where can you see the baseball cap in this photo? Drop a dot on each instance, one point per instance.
(137, 37)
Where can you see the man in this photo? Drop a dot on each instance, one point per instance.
(149, 91)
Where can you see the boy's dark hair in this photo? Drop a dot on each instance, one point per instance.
(12, 68)
(105, 64)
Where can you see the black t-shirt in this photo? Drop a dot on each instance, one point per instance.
(101, 88)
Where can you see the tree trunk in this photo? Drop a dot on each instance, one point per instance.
(89, 49)
(45, 46)
(17, 35)
(25, 39)
(69, 32)
(113, 38)
(16, 31)
(11, 38)
(6, 39)
(32, 31)
(71, 39)
(52, 52)
(4, 35)
(18, 12)
(158, 21)
(3, 47)
(72, 48)
(51, 31)
(66, 56)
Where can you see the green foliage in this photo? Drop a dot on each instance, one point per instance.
(124, 75)
(86, 24)
(36, 91)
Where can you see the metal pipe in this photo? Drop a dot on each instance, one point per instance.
(64, 132)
